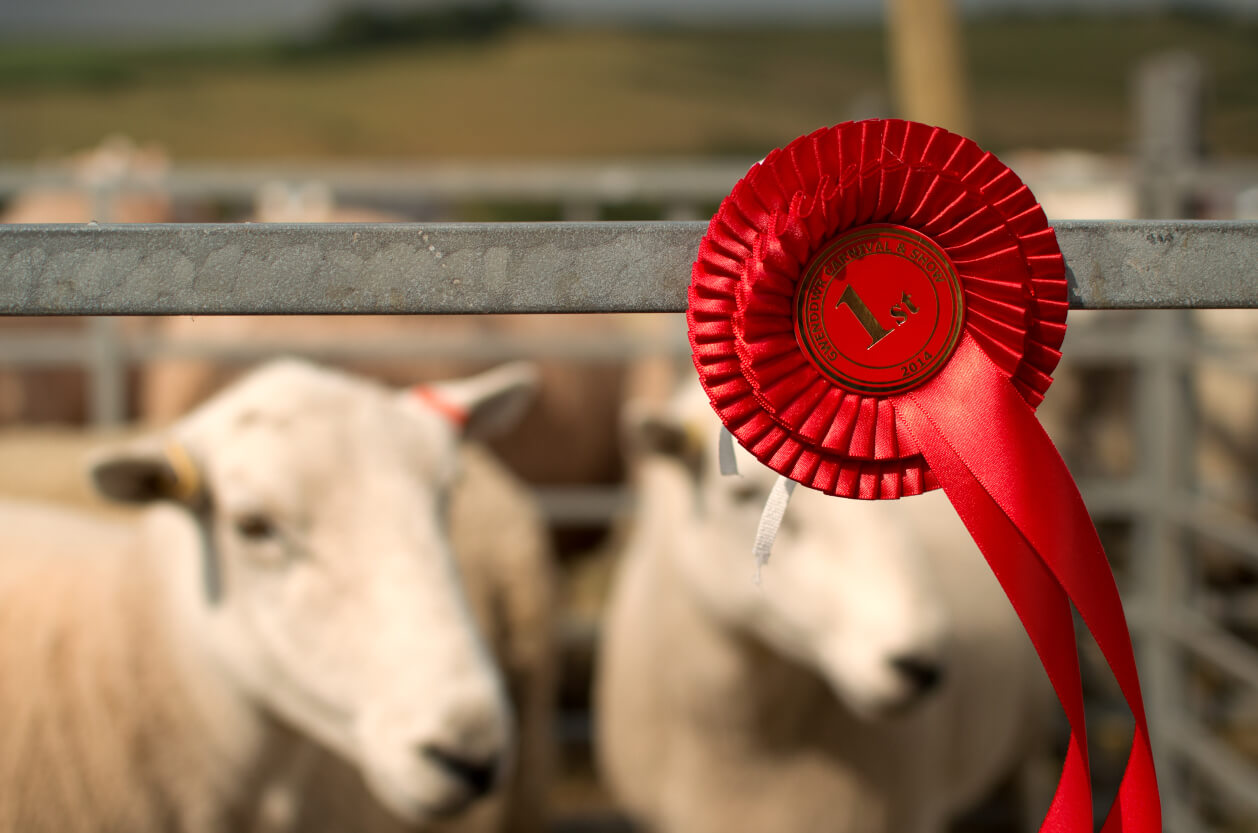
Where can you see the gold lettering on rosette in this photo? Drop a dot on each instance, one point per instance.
(864, 316)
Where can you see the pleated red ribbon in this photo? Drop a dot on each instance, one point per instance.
(964, 421)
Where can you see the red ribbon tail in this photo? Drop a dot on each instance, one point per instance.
(1019, 502)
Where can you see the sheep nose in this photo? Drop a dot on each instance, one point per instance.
(478, 776)
(921, 673)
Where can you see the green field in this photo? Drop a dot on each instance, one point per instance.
(533, 92)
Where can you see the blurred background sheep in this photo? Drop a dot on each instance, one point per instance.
(879, 680)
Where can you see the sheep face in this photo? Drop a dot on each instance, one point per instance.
(326, 589)
(848, 591)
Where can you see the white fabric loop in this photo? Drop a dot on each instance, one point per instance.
(725, 452)
(771, 521)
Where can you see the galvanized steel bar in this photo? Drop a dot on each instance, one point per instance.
(518, 267)
(1163, 420)
(24, 349)
(1216, 522)
(345, 268)
(107, 371)
(1206, 639)
(1214, 759)
(1160, 264)
(602, 182)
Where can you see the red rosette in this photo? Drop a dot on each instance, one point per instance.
(876, 311)
(772, 397)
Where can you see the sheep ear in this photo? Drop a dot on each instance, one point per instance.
(147, 471)
(485, 405)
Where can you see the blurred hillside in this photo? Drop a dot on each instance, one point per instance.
(520, 90)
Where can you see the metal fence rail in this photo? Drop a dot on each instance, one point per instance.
(518, 267)
(684, 182)
(685, 187)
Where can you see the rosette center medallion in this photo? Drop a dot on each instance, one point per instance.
(879, 309)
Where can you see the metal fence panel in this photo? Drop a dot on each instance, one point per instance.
(644, 267)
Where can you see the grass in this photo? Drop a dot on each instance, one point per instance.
(531, 92)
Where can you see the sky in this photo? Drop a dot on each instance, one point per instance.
(137, 18)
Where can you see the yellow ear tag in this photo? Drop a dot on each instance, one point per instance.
(186, 485)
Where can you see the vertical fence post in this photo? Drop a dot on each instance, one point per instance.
(1159, 559)
(108, 372)
(1168, 113)
(927, 64)
(106, 360)
(1168, 116)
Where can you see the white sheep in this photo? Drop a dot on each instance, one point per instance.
(877, 680)
(287, 609)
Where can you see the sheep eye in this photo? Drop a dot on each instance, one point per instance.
(256, 527)
(744, 491)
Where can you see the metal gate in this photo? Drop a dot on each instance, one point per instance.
(1195, 642)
